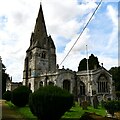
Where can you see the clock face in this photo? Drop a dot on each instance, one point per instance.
(35, 73)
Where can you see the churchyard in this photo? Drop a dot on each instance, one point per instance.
(74, 113)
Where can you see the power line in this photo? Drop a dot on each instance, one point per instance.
(81, 32)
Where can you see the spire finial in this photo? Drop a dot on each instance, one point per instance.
(40, 2)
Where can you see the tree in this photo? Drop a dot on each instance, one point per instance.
(7, 95)
(83, 65)
(115, 71)
(50, 102)
(4, 78)
(92, 63)
(112, 106)
(20, 96)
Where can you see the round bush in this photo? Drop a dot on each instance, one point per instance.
(20, 96)
(50, 102)
(112, 106)
(7, 95)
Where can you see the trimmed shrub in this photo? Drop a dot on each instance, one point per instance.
(50, 102)
(112, 106)
(118, 95)
(7, 95)
(20, 96)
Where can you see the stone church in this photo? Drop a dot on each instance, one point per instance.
(40, 68)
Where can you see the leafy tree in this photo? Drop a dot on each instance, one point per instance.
(4, 79)
(83, 65)
(115, 71)
(92, 63)
(7, 95)
(118, 95)
(50, 102)
(112, 106)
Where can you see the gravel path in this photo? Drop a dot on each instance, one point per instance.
(8, 114)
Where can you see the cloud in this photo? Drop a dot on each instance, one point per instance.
(63, 16)
(64, 21)
(80, 44)
(103, 42)
(113, 14)
(113, 35)
(100, 0)
(108, 61)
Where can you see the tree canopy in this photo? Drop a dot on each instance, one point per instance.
(4, 78)
(92, 63)
(115, 71)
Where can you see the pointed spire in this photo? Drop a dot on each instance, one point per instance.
(40, 31)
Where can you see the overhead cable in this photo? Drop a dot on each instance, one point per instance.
(81, 32)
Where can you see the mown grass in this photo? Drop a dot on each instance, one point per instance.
(26, 113)
(75, 112)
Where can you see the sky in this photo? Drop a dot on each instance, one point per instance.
(64, 22)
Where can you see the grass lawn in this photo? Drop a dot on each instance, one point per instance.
(77, 111)
(74, 112)
(24, 111)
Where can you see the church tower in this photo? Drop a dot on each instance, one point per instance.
(41, 54)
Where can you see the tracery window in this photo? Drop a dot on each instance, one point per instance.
(102, 84)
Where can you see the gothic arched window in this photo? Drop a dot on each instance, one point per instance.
(102, 84)
(66, 85)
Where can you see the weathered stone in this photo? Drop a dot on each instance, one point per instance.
(40, 68)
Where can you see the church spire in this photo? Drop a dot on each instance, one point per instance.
(40, 31)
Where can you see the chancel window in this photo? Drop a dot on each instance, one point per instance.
(102, 84)
(66, 85)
